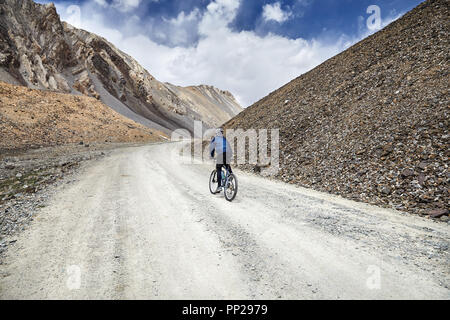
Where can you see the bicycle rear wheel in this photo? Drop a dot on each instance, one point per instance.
(213, 183)
(231, 187)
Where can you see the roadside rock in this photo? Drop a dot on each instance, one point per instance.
(438, 213)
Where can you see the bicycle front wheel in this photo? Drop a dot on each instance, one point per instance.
(231, 187)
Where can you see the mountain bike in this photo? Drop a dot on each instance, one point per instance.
(229, 184)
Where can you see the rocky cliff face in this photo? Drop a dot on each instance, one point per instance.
(41, 52)
(371, 124)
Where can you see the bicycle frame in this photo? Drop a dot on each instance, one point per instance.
(227, 175)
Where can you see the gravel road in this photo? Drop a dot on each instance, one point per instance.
(141, 224)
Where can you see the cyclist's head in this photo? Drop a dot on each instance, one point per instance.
(219, 132)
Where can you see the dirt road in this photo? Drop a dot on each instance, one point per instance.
(140, 224)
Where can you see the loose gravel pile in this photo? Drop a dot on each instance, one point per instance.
(371, 124)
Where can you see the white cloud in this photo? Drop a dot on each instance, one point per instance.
(218, 15)
(182, 18)
(121, 5)
(275, 13)
(179, 31)
(248, 65)
(126, 5)
(102, 3)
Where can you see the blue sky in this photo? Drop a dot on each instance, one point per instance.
(247, 47)
(312, 18)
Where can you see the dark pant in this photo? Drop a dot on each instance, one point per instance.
(222, 162)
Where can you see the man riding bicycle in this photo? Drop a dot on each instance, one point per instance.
(220, 146)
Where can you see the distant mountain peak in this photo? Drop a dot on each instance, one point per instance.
(41, 52)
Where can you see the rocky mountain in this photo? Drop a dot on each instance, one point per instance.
(39, 51)
(372, 123)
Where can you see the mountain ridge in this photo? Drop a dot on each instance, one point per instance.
(40, 51)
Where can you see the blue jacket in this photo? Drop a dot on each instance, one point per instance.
(220, 145)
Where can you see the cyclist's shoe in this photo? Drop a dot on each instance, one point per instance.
(219, 189)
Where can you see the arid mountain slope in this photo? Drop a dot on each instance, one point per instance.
(202, 99)
(31, 118)
(41, 52)
(372, 123)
